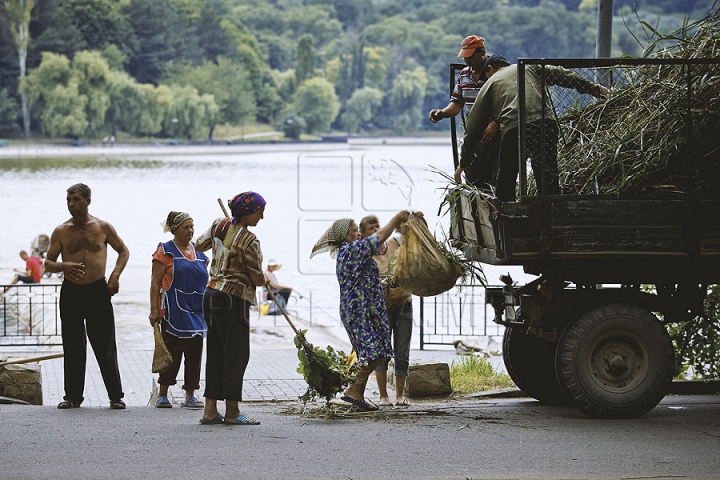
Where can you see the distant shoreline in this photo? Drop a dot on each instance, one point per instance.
(120, 150)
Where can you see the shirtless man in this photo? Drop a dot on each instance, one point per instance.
(85, 295)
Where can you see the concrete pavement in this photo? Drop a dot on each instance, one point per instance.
(271, 374)
(450, 438)
(459, 440)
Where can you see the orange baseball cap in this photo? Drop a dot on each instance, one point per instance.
(469, 44)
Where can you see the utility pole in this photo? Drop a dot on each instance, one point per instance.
(604, 36)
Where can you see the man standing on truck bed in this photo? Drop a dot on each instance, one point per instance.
(498, 99)
(85, 296)
(480, 168)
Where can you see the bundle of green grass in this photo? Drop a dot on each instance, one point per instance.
(637, 140)
(327, 372)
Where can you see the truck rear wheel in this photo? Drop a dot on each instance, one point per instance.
(530, 362)
(615, 361)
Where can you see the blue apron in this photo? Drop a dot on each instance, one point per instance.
(183, 301)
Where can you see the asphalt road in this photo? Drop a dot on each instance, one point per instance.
(471, 439)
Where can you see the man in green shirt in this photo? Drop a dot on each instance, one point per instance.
(498, 101)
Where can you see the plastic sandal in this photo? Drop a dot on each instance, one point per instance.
(192, 403)
(219, 420)
(163, 402)
(243, 419)
(361, 404)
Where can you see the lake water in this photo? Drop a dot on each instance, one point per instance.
(307, 186)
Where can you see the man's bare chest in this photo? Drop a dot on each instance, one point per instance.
(90, 239)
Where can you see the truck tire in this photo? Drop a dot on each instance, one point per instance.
(530, 362)
(615, 361)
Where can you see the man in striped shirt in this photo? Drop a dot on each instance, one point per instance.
(479, 170)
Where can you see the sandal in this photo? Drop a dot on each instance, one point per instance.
(192, 403)
(219, 420)
(65, 404)
(361, 404)
(117, 404)
(404, 403)
(163, 402)
(243, 419)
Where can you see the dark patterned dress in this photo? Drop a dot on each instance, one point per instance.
(362, 302)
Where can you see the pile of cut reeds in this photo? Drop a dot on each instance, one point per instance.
(638, 139)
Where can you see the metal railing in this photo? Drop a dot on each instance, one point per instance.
(299, 306)
(457, 314)
(30, 315)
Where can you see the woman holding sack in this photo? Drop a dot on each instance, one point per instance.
(179, 277)
(235, 271)
(362, 301)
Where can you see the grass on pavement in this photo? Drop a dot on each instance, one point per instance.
(474, 373)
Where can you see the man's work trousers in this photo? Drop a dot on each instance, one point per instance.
(88, 308)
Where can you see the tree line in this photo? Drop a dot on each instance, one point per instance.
(165, 68)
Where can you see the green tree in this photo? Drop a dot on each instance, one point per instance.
(697, 340)
(71, 98)
(292, 125)
(406, 100)
(351, 13)
(125, 102)
(212, 38)
(376, 67)
(225, 80)
(305, 59)
(9, 115)
(114, 57)
(196, 113)
(19, 12)
(100, 23)
(360, 108)
(316, 102)
(267, 22)
(332, 71)
(155, 105)
(249, 55)
(163, 35)
(315, 20)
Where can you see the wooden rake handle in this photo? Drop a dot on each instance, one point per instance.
(33, 359)
(299, 334)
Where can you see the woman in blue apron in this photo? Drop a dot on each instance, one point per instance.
(179, 278)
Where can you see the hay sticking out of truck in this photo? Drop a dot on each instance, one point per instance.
(638, 139)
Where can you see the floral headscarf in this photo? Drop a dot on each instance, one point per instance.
(244, 204)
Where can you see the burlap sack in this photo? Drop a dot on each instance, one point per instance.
(161, 357)
(422, 268)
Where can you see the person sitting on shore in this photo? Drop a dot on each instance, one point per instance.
(32, 273)
(281, 292)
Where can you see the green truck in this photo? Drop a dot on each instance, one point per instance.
(614, 263)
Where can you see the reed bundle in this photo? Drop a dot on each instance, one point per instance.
(656, 131)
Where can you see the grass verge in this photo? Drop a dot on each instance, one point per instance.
(473, 374)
